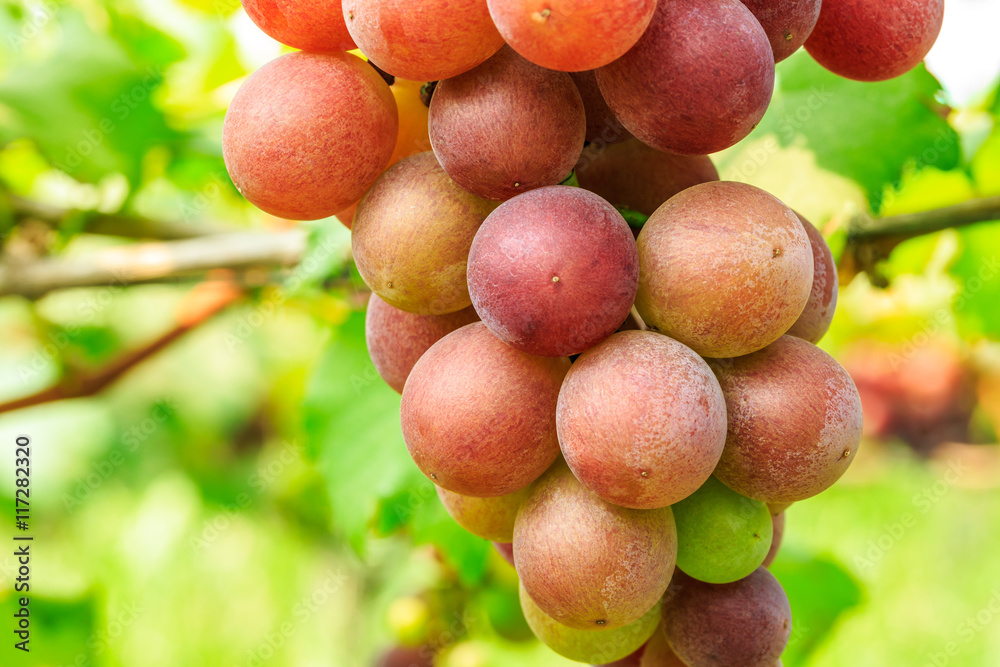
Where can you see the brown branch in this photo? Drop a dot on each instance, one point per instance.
(871, 240)
(112, 224)
(199, 306)
(901, 227)
(153, 262)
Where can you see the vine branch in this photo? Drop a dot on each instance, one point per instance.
(112, 224)
(871, 240)
(199, 306)
(910, 225)
(154, 262)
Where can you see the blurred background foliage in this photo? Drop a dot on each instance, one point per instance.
(243, 497)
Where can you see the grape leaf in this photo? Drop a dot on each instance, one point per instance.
(977, 268)
(466, 553)
(820, 591)
(351, 420)
(869, 132)
(63, 631)
(89, 105)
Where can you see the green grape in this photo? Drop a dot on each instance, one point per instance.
(721, 535)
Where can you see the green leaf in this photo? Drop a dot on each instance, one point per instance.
(328, 242)
(352, 425)
(869, 132)
(63, 631)
(466, 553)
(820, 591)
(352, 422)
(145, 45)
(977, 268)
(226, 66)
(89, 105)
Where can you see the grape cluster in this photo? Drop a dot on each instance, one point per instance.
(606, 355)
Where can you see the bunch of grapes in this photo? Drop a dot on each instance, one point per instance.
(606, 355)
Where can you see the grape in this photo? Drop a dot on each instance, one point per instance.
(698, 81)
(631, 660)
(658, 652)
(635, 410)
(553, 271)
(412, 137)
(571, 35)
(478, 416)
(815, 320)
(721, 536)
(642, 420)
(745, 623)
(589, 564)
(402, 656)
(426, 40)
(307, 134)
(410, 620)
(411, 237)
(310, 25)
(788, 23)
(413, 113)
(778, 529)
(794, 421)
(602, 126)
(634, 176)
(868, 40)
(594, 645)
(505, 549)
(489, 518)
(397, 339)
(507, 126)
(726, 269)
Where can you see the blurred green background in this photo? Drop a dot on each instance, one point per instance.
(239, 494)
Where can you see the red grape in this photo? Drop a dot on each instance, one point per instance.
(571, 35)
(634, 176)
(642, 420)
(726, 269)
(479, 417)
(788, 23)
(397, 339)
(587, 563)
(553, 271)
(602, 126)
(507, 126)
(815, 320)
(874, 40)
(794, 421)
(310, 25)
(745, 623)
(411, 237)
(426, 40)
(307, 134)
(698, 81)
